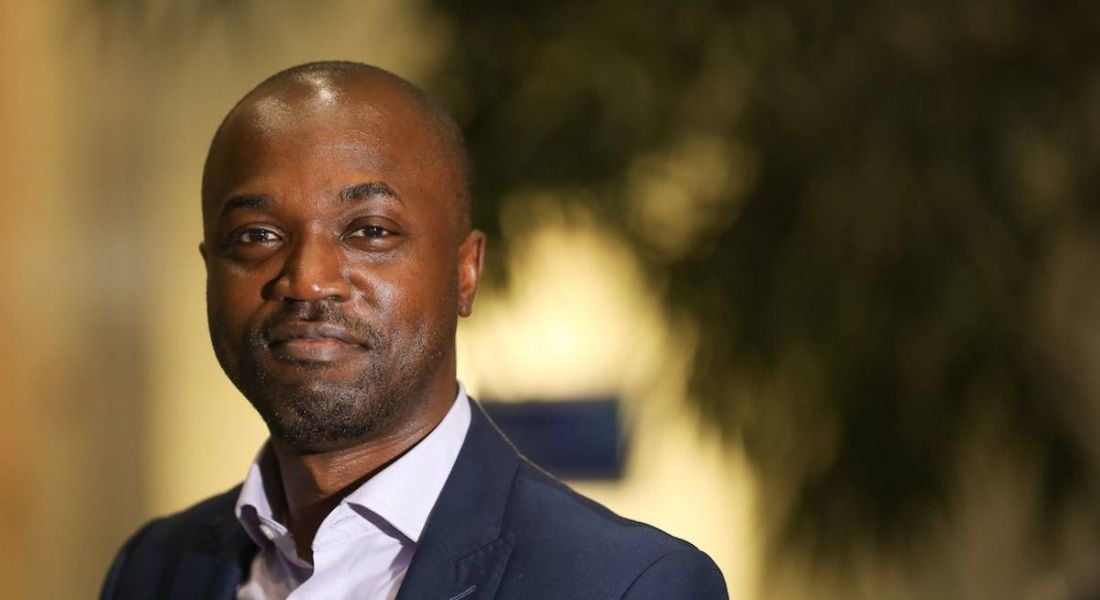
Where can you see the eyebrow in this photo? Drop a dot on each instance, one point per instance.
(246, 201)
(371, 189)
(359, 191)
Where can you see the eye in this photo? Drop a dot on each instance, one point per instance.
(370, 231)
(255, 235)
(373, 234)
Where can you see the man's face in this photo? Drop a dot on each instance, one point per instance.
(336, 269)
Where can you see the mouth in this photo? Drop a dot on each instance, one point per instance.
(305, 341)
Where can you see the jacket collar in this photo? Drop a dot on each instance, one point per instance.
(464, 550)
(218, 559)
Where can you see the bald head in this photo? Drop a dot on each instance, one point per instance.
(335, 94)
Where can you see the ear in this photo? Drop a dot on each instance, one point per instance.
(202, 250)
(471, 255)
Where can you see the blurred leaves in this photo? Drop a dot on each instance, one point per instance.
(856, 203)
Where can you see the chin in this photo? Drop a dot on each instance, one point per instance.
(322, 414)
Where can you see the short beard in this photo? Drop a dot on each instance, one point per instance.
(313, 415)
(324, 417)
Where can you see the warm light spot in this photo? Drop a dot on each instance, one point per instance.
(680, 195)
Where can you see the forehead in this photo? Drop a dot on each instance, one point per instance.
(316, 133)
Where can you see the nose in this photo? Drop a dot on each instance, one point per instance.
(313, 271)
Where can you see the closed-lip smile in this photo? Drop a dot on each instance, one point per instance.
(313, 341)
(308, 330)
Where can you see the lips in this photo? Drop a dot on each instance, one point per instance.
(312, 341)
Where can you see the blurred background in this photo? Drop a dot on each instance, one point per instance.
(838, 262)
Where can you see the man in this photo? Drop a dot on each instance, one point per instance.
(339, 256)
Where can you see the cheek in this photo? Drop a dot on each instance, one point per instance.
(409, 298)
(232, 301)
(386, 299)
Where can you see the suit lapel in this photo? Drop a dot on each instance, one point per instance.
(216, 563)
(463, 551)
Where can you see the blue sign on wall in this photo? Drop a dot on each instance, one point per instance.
(572, 439)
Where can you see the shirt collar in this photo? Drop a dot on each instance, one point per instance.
(402, 494)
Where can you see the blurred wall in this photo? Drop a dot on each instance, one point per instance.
(72, 372)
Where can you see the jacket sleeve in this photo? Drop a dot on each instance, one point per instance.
(683, 574)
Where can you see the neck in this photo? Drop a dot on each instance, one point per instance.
(315, 483)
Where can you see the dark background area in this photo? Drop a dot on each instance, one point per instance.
(887, 277)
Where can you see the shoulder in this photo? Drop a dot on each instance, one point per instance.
(562, 535)
(195, 527)
(147, 560)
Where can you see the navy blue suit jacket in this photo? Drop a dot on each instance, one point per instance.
(501, 528)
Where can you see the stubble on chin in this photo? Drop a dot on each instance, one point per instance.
(315, 407)
(318, 416)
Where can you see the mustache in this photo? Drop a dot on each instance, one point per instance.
(321, 314)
